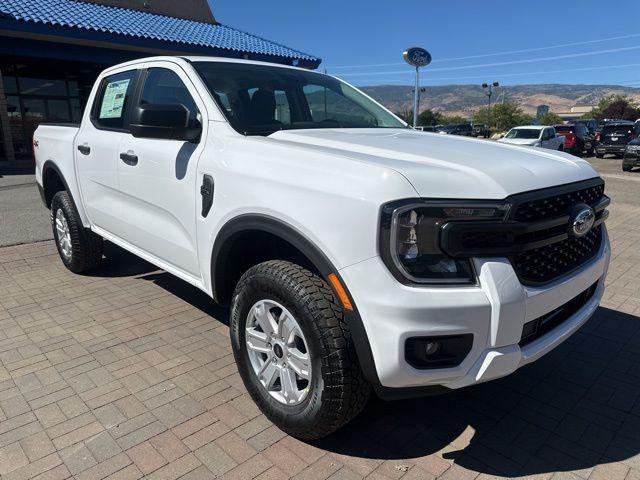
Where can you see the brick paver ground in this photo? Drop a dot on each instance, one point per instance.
(128, 372)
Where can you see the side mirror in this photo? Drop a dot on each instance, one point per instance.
(165, 121)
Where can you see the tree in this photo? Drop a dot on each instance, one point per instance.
(502, 116)
(430, 117)
(614, 107)
(549, 118)
(406, 115)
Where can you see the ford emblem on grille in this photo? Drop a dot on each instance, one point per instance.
(581, 220)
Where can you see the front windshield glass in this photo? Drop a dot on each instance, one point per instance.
(525, 133)
(262, 99)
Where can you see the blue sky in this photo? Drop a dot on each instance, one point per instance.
(594, 41)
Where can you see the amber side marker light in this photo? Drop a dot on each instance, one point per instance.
(342, 294)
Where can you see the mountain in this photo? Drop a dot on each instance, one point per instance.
(464, 99)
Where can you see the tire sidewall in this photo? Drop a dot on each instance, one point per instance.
(262, 286)
(59, 203)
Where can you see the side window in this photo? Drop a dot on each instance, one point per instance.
(110, 107)
(164, 86)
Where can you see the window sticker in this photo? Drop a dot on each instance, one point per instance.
(113, 100)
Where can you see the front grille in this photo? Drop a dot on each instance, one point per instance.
(533, 330)
(537, 236)
(556, 205)
(542, 265)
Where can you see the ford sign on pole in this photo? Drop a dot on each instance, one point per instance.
(416, 57)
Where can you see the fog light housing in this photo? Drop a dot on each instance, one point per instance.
(437, 352)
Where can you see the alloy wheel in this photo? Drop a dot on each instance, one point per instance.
(278, 352)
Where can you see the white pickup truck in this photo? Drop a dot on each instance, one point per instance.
(356, 253)
(535, 136)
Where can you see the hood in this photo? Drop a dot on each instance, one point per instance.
(519, 141)
(446, 166)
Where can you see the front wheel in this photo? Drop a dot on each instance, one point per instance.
(294, 350)
(79, 248)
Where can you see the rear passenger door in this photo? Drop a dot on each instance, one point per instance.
(97, 147)
(157, 177)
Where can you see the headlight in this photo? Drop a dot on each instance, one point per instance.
(410, 239)
(633, 148)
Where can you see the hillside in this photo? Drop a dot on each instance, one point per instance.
(463, 99)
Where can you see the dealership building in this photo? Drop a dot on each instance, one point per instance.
(52, 50)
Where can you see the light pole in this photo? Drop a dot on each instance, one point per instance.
(416, 57)
(488, 91)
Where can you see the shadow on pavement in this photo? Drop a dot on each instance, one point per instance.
(572, 410)
(575, 408)
(120, 263)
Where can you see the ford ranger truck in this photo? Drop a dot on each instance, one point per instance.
(356, 253)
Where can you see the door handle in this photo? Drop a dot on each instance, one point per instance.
(84, 149)
(129, 158)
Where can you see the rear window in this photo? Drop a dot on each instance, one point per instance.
(565, 129)
(620, 129)
(110, 108)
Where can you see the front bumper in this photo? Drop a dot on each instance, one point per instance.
(494, 312)
(615, 149)
(632, 158)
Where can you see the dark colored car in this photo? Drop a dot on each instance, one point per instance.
(631, 155)
(464, 129)
(576, 138)
(481, 130)
(614, 138)
(590, 123)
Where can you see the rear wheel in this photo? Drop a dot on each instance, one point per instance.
(294, 350)
(599, 155)
(626, 167)
(79, 248)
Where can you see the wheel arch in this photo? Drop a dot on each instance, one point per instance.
(242, 229)
(53, 181)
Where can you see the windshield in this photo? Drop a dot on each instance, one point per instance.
(262, 99)
(526, 133)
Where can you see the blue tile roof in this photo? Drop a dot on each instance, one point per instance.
(143, 25)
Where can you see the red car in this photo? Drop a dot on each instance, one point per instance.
(576, 138)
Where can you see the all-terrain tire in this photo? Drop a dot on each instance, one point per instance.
(85, 251)
(337, 389)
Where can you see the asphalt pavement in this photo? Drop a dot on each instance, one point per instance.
(23, 217)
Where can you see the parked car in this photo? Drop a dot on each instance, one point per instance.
(614, 137)
(576, 138)
(590, 123)
(481, 130)
(355, 253)
(631, 155)
(463, 129)
(534, 136)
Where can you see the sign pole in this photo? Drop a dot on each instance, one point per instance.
(415, 99)
(416, 57)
